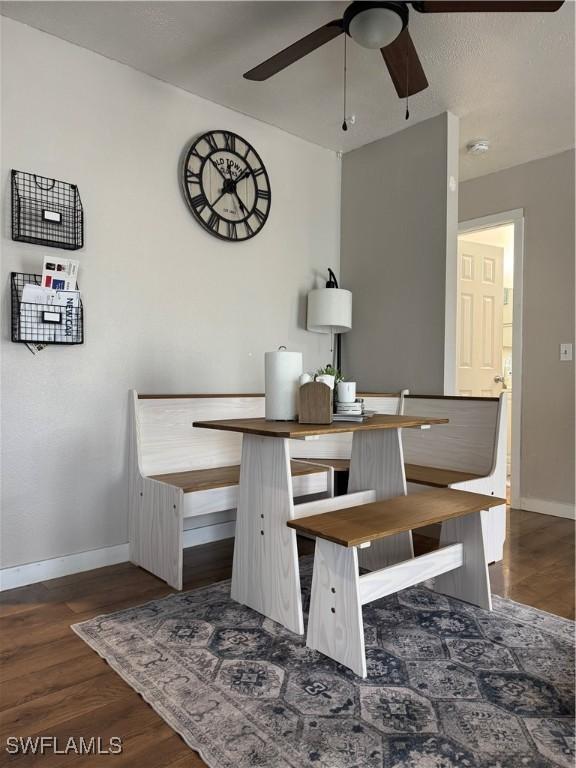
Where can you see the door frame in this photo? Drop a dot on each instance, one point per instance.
(515, 217)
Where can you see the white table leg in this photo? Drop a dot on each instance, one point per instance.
(471, 582)
(265, 574)
(378, 462)
(335, 621)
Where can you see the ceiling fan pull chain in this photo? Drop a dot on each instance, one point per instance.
(407, 115)
(344, 125)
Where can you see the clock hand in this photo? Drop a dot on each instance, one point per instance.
(237, 196)
(244, 175)
(218, 169)
(220, 196)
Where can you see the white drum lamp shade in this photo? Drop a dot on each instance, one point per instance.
(329, 310)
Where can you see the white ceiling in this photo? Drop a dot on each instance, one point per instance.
(508, 76)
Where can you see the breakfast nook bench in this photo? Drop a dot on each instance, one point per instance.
(339, 591)
(184, 482)
(468, 453)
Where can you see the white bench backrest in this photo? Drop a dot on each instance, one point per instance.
(340, 446)
(169, 443)
(467, 443)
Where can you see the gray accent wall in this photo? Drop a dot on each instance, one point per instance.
(545, 190)
(399, 225)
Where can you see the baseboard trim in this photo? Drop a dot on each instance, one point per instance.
(545, 507)
(32, 573)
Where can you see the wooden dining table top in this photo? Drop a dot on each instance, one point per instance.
(293, 429)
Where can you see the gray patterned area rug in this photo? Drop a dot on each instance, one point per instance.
(449, 685)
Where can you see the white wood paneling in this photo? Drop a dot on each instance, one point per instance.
(265, 573)
(156, 541)
(216, 499)
(466, 443)
(377, 463)
(335, 620)
(321, 506)
(169, 442)
(386, 581)
(470, 582)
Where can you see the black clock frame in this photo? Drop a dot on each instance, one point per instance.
(204, 159)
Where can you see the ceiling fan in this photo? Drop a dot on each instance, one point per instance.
(384, 25)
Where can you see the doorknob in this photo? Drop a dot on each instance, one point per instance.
(500, 380)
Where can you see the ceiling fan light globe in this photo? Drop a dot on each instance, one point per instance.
(375, 27)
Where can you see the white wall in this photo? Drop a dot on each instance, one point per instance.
(169, 308)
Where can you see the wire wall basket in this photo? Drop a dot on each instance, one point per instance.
(46, 211)
(43, 323)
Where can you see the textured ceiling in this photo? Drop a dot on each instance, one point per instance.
(509, 77)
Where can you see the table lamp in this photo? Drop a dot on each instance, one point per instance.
(330, 311)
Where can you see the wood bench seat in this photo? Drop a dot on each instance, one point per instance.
(354, 526)
(339, 591)
(436, 477)
(223, 477)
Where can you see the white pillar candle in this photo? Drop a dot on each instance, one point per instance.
(282, 371)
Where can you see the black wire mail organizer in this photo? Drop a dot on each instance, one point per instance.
(43, 323)
(46, 211)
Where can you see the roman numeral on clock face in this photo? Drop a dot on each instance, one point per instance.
(211, 141)
(263, 194)
(259, 215)
(214, 221)
(232, 230)
(199, 202)
(230, 142)
(191, 177)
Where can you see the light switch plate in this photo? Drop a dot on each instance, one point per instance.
(565, 351)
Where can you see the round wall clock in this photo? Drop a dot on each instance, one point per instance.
(226, 186)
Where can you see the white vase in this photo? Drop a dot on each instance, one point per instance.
(326, 379)
(346, 391)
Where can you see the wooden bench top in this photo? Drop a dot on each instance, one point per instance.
(222, 477)
(415, 473)
(292, 429)
(436, 476)
(353, 526)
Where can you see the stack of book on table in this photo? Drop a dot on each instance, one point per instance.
(352, 411)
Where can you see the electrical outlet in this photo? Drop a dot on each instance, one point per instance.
(565, 351)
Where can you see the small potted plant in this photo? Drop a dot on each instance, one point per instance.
(328, 375)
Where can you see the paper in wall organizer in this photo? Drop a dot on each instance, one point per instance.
(60, 274)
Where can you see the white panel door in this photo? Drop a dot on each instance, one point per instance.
(480, 319)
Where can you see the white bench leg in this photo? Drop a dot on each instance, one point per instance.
(471, 582)
(335, 625)
(378, 463)
(155, 529)
(265, 574)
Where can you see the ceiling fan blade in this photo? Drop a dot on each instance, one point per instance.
(296, 51)
(404, 65)
(486, 6)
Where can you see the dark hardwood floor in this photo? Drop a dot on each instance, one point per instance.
(52, 684)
